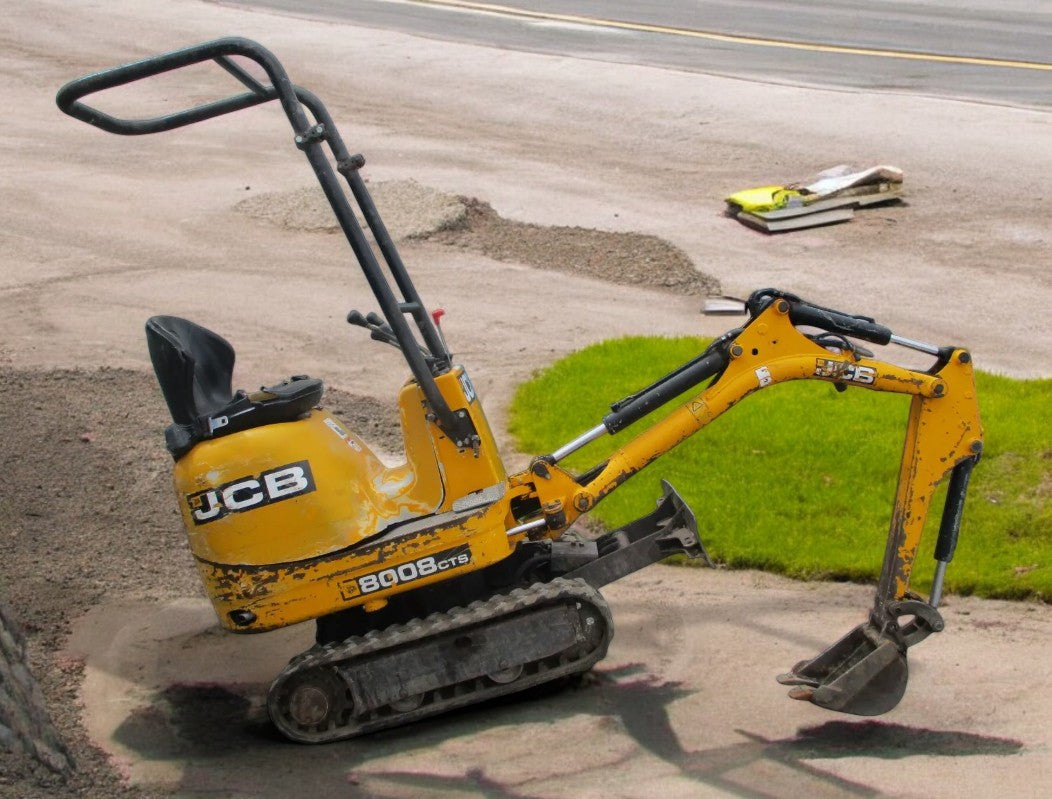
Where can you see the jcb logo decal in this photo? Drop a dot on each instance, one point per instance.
(845, 370)
(249, 493)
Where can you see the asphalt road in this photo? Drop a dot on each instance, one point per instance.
(984, 50)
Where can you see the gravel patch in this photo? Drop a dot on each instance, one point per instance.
(413, 211)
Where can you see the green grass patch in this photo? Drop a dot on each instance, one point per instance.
(799, 479)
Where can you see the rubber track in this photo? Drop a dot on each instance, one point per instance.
(467, 692)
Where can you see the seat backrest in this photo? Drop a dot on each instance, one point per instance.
(194, 367)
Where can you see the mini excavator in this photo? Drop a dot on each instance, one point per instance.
(446, 581)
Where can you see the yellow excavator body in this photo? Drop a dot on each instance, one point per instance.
(294, 520)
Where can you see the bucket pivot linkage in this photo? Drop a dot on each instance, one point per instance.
(865, 672)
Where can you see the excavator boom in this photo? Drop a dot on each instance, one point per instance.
(864, 673)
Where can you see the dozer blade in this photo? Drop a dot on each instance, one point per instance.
(864, 673)
(671, 529)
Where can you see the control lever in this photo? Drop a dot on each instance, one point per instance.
(378, 329)
(436, 316)
(378, 322)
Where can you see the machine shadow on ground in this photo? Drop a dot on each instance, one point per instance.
(210, 726)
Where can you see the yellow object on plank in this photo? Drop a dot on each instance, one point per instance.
(830, 197)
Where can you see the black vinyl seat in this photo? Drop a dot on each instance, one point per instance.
(194, 368)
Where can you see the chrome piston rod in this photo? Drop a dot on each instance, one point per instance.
(577, 443)
(931, 349)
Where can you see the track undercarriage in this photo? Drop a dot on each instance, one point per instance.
(460, 657)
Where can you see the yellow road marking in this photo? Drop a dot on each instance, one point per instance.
(641, 27)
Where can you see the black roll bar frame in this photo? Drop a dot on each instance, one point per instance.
(425, 364)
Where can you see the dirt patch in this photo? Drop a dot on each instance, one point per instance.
(413, 211)
(87, 514)
(94, 776)
(88, 481)
(628, 259)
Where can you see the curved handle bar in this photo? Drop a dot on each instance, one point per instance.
(69, 96)
(309, 139)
